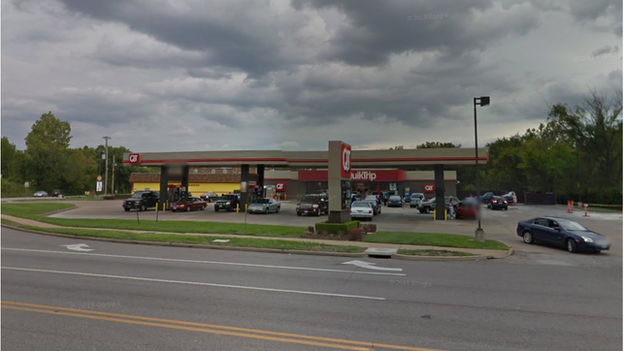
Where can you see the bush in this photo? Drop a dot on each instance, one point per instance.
(336, 228)
(369, 228)
(355, 234)
(311, 229)
(14, 189)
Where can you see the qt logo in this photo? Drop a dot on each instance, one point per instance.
(429, 188)
(346, 161)
(280, 187)
(134, 159)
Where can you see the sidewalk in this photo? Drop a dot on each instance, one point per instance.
(481, 252)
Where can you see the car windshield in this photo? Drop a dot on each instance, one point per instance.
(571, 225)
(310, 198)
(395, 197)
(137, 195)
(228, 197)
(360, 204)
(262, 201)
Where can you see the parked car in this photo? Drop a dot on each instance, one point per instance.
(312, 204)
(189, 204)
(416, 198)
(209, 197)
(561, 232)
(266, 205)
(40, 193)
(487, 197)
(375, 203)
(511, 198)
(467, 208)
(497, 202)
(141, 200)
(394, 201)
(362, 210)
(227, 202)
(430, 205)
(57, 193)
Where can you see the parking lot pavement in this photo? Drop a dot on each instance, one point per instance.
(498, 225)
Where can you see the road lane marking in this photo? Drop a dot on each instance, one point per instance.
(207, 262)
(78, 247)
(111, 276)
(166, 323)
(371, 265)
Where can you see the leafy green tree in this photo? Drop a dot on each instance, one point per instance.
(46, 151)
(8, 157)
(437, 145)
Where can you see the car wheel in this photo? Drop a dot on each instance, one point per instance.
(571, 245)
(505, 208)
(216, 209)
(299, 214)
(527, 237)
(421, 211)
(277, 209)
(597, 251)
(172, 210)
(427, 210)
(127, 209)
(204, 207)
(266, 211)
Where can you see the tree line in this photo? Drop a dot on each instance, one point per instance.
(49, 163)
(576, 153)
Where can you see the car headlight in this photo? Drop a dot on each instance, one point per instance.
(587, 239)
(315, 206)
(227, 203)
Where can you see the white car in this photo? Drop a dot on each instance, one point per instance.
(361, 210)
(511, 195)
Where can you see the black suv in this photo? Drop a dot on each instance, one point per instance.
(227, 202)
(141, 200)
(57, 193)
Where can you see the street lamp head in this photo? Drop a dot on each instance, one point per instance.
(483, 101)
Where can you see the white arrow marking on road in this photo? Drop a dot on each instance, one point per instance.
(370, 265)
(78, 247)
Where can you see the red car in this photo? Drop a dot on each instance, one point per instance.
(467, 209)
(188, 205)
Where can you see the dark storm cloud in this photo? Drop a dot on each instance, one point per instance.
(605, 50)
(376, 29)
(241, 35)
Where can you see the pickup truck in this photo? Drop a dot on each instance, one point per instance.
(141, 200)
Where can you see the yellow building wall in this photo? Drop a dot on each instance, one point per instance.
(195, 189)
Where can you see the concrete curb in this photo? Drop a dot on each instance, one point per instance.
(451, 258)
(198, 246)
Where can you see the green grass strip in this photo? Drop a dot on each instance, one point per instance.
(433, 239)
(434, 253)
(284, 245)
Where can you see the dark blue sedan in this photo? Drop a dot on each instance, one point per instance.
(561, 232)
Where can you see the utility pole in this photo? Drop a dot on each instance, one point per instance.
(106, 167)
(113, 175)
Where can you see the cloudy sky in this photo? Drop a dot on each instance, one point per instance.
(174, 75)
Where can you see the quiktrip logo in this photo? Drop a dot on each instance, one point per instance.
(345, 160)
(280, 187)
(364, 175)
(134, 158)
(429, 188)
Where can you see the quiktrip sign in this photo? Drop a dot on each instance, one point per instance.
(345, 160)
(280, 187)
(134, 159)
(429, 188)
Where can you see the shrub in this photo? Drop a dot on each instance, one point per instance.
(355, 234)
(311, 229)
(369, 228)
(336, 228)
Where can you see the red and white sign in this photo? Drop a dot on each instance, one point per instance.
(280, 187)
(134, 159)
(345, 160)
(429, 188)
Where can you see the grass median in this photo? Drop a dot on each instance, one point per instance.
(282, 245)
(433, 239)
(37, 211)
(434, 253)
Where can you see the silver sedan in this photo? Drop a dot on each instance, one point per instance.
(266, 205)
(361, 209)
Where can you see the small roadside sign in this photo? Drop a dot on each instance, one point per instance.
(98, 186)
(26, 185)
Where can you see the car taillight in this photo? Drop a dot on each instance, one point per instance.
(369, 211)
(493, 201)
(505, 201)
(350, 211)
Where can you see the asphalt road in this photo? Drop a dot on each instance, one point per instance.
(141, 297)
(498, 225)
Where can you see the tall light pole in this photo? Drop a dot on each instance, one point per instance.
(106, 166)
(481, 101)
